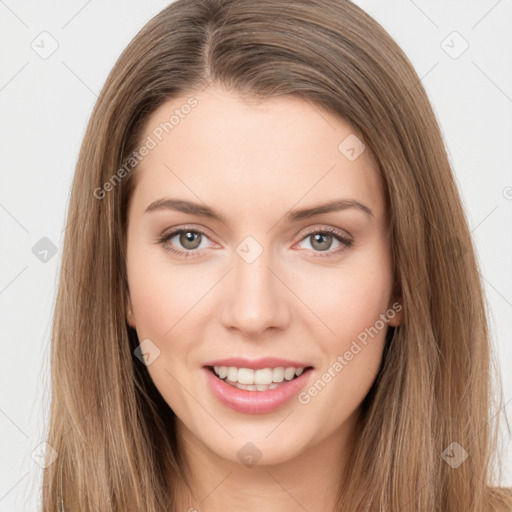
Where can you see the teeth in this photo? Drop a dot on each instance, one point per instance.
(232, 374)
(255, 387)
(289, 373)
(278, 374)
(264, 377)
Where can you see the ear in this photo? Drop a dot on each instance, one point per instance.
(395, 313)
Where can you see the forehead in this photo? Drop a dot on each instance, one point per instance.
(221, 149)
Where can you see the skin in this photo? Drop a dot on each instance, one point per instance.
(254, 162)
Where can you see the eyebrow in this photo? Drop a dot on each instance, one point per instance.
(201, 210)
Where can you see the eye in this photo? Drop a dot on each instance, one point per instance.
(321, 240)
(189, 239)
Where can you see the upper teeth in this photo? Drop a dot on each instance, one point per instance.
(263, 376)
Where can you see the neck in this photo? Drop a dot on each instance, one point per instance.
(310, 480)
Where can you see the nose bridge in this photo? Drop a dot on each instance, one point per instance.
(256, 301)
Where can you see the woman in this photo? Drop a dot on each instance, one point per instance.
(269, 297)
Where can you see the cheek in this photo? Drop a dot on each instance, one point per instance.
(350, 302)
(161, 293)
(347, 299)
(165, 298)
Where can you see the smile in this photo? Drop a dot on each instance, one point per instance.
(258, 391)
(256, 380)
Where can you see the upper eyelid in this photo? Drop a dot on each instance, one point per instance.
(329, 229)
(176, 230)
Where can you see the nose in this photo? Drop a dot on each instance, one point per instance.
(255, 299)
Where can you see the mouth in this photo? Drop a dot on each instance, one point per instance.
(262, 379)
(256, 390)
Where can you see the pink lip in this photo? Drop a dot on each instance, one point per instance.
(255, 402)
(257, 364)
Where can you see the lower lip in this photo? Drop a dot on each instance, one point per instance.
(255, 402)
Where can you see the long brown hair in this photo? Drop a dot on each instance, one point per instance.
(113, 432)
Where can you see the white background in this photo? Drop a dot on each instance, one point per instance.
(45, 105)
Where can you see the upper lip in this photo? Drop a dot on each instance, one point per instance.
(257, 364)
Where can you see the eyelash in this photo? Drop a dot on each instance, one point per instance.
(344, 240)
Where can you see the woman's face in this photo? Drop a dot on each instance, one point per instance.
(257, 274)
